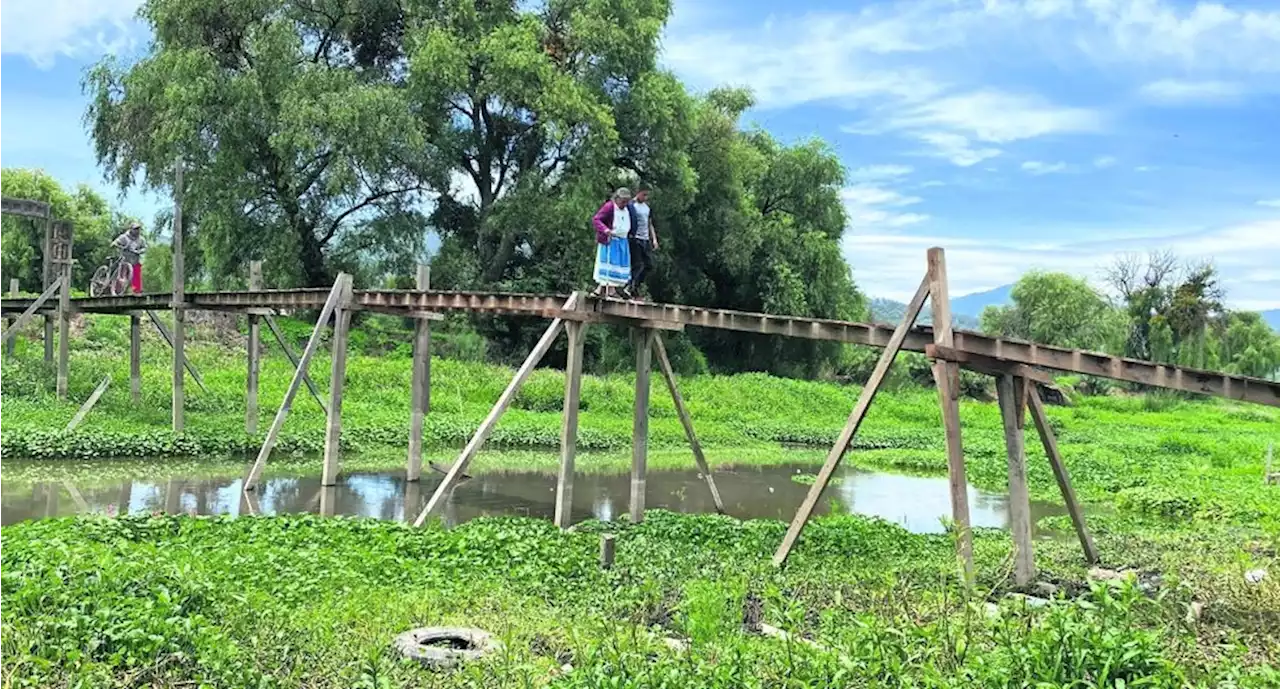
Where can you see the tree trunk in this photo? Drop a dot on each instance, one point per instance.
(314, 271)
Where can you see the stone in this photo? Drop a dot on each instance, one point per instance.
(1104, 574)
(1045, 589)
(1029, 601)
(1255, 576)
(677, 645)
(1194, 612)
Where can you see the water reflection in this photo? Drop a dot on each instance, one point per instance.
(917, 503)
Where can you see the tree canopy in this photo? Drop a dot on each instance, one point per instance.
(341, 132)
(1057, 309)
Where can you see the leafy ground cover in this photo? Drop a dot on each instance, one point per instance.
(304, 601)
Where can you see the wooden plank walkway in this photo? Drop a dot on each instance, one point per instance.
(675, 316)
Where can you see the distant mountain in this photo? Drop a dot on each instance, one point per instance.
(890, 311)
(972, 305)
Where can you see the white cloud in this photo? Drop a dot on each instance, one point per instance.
(1269, 203)
(1104, 162)
(890, 264)
(1038, 167)
(956, 148)
(875, 208)
(995, 116)
(872, 173)
(44, 29)
(1178, 91)
(1146, 168)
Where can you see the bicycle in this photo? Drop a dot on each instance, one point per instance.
(102, 284)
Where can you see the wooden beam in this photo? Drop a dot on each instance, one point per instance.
(685, 420)
(254, 352)
(76, 496)
(135, 358)
(865, 398)
(88, 405)
(179, 313)
(293, 359)
(337, 382)
(168, 338)
(947, 377)
(987, 365)
(26, 315)
(640, 425)
(64, 330)
(486, 427)
(9, 341)
(1024, 570)
(1060, 474)
(420, 385)
(569, 423)
(604, 318)
(339, 285)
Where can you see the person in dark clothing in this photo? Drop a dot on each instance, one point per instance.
(644, 241)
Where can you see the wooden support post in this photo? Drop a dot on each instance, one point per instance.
(608, 549)
(1007, 387)
(179, 314)
(135, 358)
(293, 359)
(81, 504)
(569, 422)
(48, 340)
(486, 427)
(337, 381)
(851, 426)
(947, 377)
(412, 496)
(26, 315)
(254, 348)
(640, 424)
(64, 328)
(685, 420)
(420, 385)
(339, 287)
(88, 404)
(1060, 474)
(172, 496)
(13, 293)
(47, 277)
(328, 500)
(168, 338)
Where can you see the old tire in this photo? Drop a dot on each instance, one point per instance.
(445, 647)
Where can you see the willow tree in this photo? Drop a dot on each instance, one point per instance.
(290, 119)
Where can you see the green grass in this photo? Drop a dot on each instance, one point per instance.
(304, 601)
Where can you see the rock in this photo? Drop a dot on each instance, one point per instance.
(1104, 574)
(1045, 589)
(677, 645)
(1194, 612)
(1255, 576)
(1029, 601)
(566, 668)
(992, 610)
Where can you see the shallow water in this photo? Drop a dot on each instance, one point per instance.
(917, 503)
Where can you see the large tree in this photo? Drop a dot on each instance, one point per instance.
(290, 119)
(1057, 309)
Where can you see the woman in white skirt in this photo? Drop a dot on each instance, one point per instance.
(614, 223)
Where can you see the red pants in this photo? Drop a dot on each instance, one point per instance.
(137, 278)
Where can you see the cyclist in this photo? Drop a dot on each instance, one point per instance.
(132, 246)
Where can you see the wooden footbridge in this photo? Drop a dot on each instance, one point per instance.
(1016, 365)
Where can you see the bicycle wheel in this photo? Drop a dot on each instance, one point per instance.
(124, 279)
(99, 283)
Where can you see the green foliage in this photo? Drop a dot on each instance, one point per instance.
(1056, 309)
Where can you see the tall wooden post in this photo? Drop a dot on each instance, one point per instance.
(254, 348)
(1011, 413)
(569, 422)
(640, 424)
(947, 377)
(1060, 474)
(64, 321)
(179, 297)
(337, 381)
(48, 277)
(135, 357)
(664, 365)
(420, 386)
(13, 292)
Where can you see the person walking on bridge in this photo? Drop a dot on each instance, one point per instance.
(132, 246)
(613, 224)
(643, 242)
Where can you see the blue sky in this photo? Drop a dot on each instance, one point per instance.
(1018, 134)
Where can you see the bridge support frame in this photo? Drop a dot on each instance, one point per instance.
(420, 387)
(253, 349)
(337, 383)
(640, 423)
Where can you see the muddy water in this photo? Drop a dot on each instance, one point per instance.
(917, 503)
